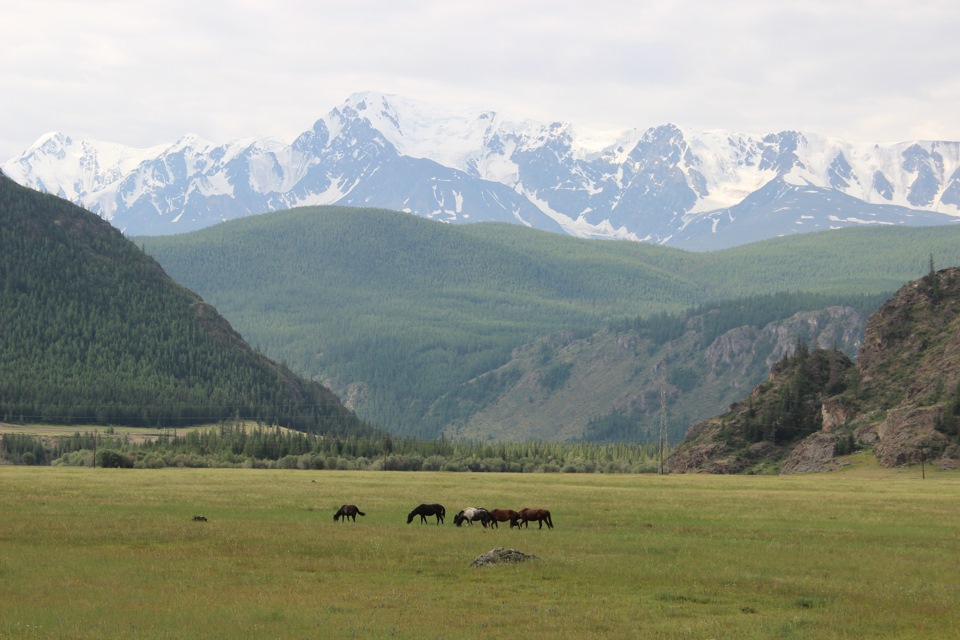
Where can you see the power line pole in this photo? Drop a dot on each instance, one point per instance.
(663, 414)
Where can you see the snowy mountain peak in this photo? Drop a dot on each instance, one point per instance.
(664, 184)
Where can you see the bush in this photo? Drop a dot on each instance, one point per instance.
(110, 459)
(29, 458)
(151, 461)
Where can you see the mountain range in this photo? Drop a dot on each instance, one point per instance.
(697, 190)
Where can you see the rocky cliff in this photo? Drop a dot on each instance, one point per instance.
(901, 399)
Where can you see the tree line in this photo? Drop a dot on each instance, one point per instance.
(233, 444)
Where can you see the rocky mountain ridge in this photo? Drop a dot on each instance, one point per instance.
(902, 398)
(606, 386)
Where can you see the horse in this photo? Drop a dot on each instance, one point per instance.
(503, 515)
(425, 510)
(540, 515)
(348, 511)
(470, 514)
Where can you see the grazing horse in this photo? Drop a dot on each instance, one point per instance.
(348, 511)
(503, 515)
(470, 514)
(540, 515)
(425, 510)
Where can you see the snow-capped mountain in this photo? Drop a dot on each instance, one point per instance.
(667, 185)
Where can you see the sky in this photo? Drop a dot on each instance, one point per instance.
(144, 74)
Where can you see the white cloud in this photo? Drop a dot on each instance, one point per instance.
(143, 74)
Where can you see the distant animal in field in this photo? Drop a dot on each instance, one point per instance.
(199, 519)
(503, 515)
(542, 516)
(425, 510)
(471, 515)
(348, 511)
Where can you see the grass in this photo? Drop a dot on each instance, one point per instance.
(103, 553)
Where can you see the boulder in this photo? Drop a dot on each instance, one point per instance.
(501, 556)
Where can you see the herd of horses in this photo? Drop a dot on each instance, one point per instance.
(486, 517)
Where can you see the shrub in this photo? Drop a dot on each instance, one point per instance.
(110, 459)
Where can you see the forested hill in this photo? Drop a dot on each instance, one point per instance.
(95, 332)
(395, 312)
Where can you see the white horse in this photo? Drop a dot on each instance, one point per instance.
(471, 514)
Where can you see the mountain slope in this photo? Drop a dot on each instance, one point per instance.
(606, 387)
(902, 398)
(666, 185)
(394, 312)
(94, 332)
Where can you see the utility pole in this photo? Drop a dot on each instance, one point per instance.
(663, 414)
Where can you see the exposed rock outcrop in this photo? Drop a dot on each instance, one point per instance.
(902, 399)
(814, 453)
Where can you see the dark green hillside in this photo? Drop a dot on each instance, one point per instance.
(393, 311)
(94, 332)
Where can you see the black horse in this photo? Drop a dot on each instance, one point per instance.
(348, 511)
(425, 510)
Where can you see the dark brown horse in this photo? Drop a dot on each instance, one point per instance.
(503, 515)
(425, 510)
(539, 515)
(348, 511)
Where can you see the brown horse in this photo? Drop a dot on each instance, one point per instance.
(540, 515)
(503, 515)
(348, 511)
(425, 510)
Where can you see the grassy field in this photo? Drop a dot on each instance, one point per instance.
(103, 553)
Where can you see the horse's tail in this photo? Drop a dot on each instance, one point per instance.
(360, 513)
(549, 520)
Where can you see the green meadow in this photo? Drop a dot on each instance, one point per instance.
(108, 553)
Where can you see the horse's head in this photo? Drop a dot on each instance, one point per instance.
(410, 517)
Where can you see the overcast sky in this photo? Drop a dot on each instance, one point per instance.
(143, 73)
